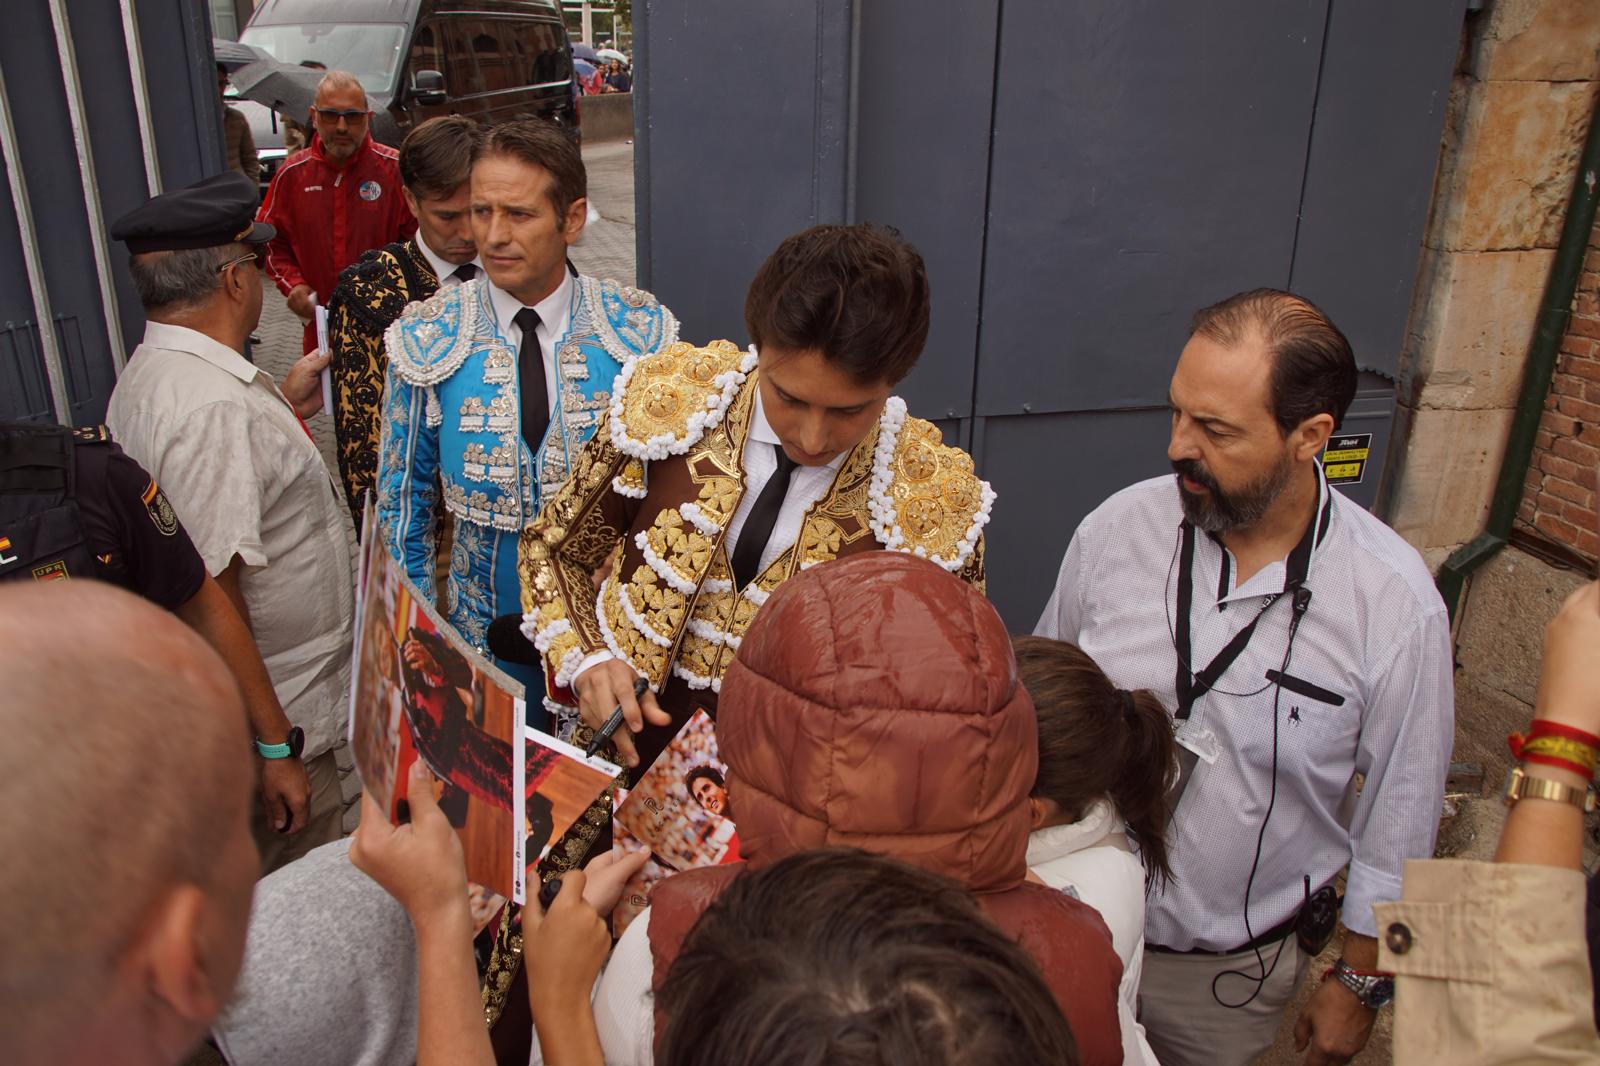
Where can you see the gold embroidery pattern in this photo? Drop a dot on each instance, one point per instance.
(557, 553)
(682, 552)
(662, 608)
(626, 642)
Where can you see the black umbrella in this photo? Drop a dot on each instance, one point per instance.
(232, 54)
(283, 87)
(583, 51)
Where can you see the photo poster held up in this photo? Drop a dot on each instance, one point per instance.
(636, 893)
(559, 787)
(421, 692)
(679, 809)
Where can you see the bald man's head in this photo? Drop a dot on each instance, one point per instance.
(125, 785)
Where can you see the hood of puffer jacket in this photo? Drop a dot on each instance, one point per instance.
(874, 702)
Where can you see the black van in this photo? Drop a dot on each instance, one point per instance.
(491, 60)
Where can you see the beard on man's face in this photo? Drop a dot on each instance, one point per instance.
(1216, 511)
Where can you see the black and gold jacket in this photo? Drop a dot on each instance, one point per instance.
(370, 295)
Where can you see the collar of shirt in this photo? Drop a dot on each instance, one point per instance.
(1268, 581)
(761, 430)
(554, 312)
(443, 269)
(192, 342)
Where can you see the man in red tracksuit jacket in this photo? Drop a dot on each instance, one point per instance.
(333, 201)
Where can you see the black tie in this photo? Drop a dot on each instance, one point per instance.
(465, 272)
(763, 516)
(530, 380)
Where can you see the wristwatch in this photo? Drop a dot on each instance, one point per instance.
(1521, 785)
(1374, 990)
(289, 749)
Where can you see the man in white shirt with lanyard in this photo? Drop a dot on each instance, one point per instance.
(1323, 655)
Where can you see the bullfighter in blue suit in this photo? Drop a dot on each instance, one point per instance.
(494, 385)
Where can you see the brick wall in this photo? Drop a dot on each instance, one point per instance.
(1558, 502)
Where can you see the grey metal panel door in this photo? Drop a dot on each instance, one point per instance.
(24, 389)
(114, 129)
(48, 163)
(1369, 174)
(742, 141)
(922, 165)
(1147, 161)
(1048, 471)
(176, 42)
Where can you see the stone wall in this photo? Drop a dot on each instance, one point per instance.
(1558, 503)
(1519, 108)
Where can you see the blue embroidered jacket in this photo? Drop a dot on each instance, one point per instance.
(451, 428)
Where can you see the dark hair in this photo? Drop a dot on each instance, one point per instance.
(1313, 368)
(541, 143)
(841, 957)
(857, 294)
(436, 156)
(703, 771)
(1096, 740)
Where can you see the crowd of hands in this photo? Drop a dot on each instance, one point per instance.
(421, 864)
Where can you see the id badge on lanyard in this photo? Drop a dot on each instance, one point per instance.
(1196, 741)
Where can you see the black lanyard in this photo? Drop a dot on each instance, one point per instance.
(1192, 685)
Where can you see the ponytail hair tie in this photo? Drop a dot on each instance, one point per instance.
(1125, 700)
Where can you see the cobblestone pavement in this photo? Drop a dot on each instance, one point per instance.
(607, 249)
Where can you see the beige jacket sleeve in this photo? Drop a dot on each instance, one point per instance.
(1491, 965)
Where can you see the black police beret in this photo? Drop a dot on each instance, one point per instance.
(215, 211)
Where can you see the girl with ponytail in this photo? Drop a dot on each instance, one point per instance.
(1105, 755)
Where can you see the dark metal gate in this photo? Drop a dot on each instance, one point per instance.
(101, 103)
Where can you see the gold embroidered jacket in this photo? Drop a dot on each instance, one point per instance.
(654, 490)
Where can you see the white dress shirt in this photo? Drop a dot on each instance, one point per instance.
(807, 485)
(443, 269)
(1373, 695)
(555, 315)
(246, 480)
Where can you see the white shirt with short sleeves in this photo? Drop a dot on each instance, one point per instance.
(246, 480)
(1370, 692)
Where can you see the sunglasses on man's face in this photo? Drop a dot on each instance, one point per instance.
(328, 114)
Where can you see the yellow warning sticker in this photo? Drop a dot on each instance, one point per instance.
(1344, 460)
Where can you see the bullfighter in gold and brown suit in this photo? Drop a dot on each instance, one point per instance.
(719, 473)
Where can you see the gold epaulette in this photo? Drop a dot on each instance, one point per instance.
(933, 504)
(663, 402)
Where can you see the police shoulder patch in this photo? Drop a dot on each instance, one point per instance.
(91, 435)
(160, 511)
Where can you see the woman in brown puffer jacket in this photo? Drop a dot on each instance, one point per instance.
(875, 703)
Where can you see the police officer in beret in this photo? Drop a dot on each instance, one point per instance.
(243, 476)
